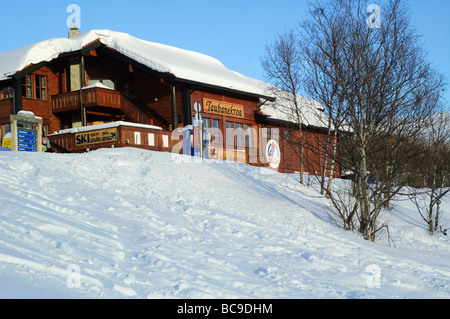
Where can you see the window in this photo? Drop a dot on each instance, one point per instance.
(137, 138)
(287, 135)
(248, 136)
(34, 87)
(216, 130)
(239, 134)
(206, 123)
(275, 133)
(229, 132)
(27, 88)
(40, 87)
(151, 139)
(6, 93)
(166, 140)
(266, 133)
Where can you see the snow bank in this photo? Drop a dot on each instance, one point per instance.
(130, 223)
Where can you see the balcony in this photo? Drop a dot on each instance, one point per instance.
(106, 101)
(70, 101)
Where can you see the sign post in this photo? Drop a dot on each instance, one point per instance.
(199, 123)
(26, 131)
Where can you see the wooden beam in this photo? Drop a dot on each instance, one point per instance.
(174, 106)
(101, 113)
(92, 53)
(17, 95)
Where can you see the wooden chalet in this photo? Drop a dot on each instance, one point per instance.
(108, 89)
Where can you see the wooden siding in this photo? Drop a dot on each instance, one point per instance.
(125, 138)
(6, 108)
(313, 152)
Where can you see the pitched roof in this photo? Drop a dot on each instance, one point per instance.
(183, 64)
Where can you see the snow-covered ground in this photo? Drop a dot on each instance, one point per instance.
(130, 223)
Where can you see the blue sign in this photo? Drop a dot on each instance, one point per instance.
(22, 149)
(27, 140)
(33, 133)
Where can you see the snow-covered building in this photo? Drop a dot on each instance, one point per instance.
(104, 88)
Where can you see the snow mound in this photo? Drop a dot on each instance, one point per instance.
(130, 223)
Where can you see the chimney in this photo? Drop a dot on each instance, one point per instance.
(74, 31)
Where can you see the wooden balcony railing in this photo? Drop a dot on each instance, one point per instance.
(91, 97)
(99, 97)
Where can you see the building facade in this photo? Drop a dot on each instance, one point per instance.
(108, 89)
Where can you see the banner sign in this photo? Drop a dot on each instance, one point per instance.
(223, 108)
(7, 140)
(95, 137)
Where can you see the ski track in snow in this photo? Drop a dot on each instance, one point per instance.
(141, 224)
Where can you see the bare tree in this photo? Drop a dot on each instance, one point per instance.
(434, 170)
(379, 81)
(282, 67)
(375, 83)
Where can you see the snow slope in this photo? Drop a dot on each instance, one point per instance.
(130, 223)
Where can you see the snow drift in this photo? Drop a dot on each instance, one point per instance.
(130, 223)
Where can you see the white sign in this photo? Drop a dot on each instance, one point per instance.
(273, 154)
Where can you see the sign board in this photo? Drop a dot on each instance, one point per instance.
(7, 140)
(26, 132)
(27, 140)
(273, 154)
(223, 108)
(95, 137)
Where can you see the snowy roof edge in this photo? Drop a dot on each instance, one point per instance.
(183, 64)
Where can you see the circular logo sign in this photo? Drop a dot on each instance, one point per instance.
(273, 154)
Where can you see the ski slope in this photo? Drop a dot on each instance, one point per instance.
(131, 223)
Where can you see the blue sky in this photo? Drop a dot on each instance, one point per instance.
(234, 32)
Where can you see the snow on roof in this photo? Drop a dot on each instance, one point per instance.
(311, 112)
(183, 64)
